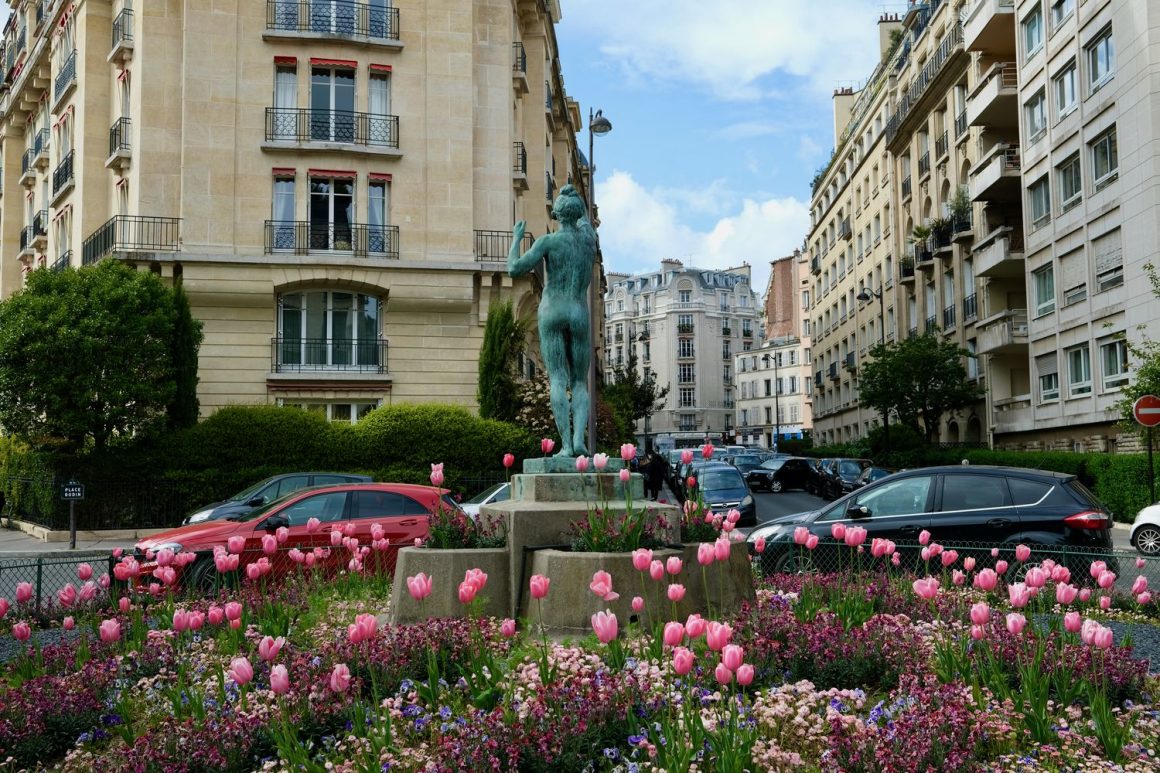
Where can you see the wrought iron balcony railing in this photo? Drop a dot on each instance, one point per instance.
(132, 233)
(519, 158)
(119, 136)
(493, 246)
(296, 355)
(333, 17)
(294, 124)
(302, 237)
(63, 262)
(67, 75)
(123, 28)
(519, 58)
(41, 143)
(63, 175)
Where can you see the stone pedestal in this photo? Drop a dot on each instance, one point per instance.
(446, 568)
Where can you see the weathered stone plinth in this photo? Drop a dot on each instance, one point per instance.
(447, 569)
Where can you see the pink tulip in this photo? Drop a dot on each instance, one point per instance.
(3, 607)
(691, 482)
(1140, 585)
(994, 552)
(279, 680)
(313, 525)
(507, 628)
(22, 631)
(723, 674)
(682, 661)
(1022, 553)
(269, 647)
(705, 555)
(1085, 594)
(854, 536)
(1139, 563)
(1016, 623)
(676, 592)
(924, 537)
(241, 671)
(476, 577)
(1087, 631)
(926, 588)
(656, 570)
(838, 531)
(687, 456)
(935, 549)
(628, 452)
(236, 544)
(104, 581)
(581, 463)
(233, 610)
(641, 558)
(1071, 622)
(896, 559)
(1035, 577)
(336, 537)
(546, 445)
(508, 460)
(1001, 567)
(1061, 574)
(601, 584)
(721, 548)
(67, 595)
(958, 578)
(281, 534)
(707, 451)
(977, 632)
(216, 615)
(1105, 602)
(717, 635)
(436, 476)
(624, 475)
(674, 633)
(925, 553)
(695, 626)
(1103, 637)
(117, 552)
(84, 572)
(539, 586)
(180, 620)
(1106, 579)
(604, 625)
(673, 565)
(68, 623)
(196, 620)
(467, 592)
(800, 535)
(1096, 568)
(253, 571)
(1019, 594)
(419, 586)
(110, 631)
(23, 592)
(599, 461)
(1144, 598)
(877, 547)
(969, 563)
(235, 624)
(1065, 594)
(124, 604)
(980, 613)
(949, 557)
(812, 542)
(745, 674)
(732, 656)
(759, 545)
(637, 603)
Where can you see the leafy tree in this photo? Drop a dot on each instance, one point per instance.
(503, 340)
(86, 355)
(1145, 357)
(631, 397)
(916, 380)
(182, 411)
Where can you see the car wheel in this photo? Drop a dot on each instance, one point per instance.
(775, 486)
(1148, 540)
(202, 577)
(794, 562)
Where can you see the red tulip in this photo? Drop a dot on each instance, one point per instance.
(707, 451)
(687, 456)
(508, 460)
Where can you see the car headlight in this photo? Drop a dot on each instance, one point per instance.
(174, 546)
(200, 515)
(769, 532)
(748, 501)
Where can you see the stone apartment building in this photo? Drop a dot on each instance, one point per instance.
(333, 183)
(685, 325)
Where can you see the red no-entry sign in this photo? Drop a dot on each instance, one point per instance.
(1147, 410)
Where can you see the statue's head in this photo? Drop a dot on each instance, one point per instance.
(569, 207)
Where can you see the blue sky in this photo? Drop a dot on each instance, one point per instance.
(721, 114)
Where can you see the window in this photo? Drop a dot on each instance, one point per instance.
(326, 507)
(1035, 114)
(1101, 56)
(345, 412)
(900, 497)
(1040, 195)
(1070, 183)
(686, 372)
(1060, 10)
(379, 129)
(687, 397)
(1065, 99)
(282, 230)
(1044, 281)
(1079, 371)
(1027, 492)
(972, 358)
(685, 296)
(768, 388)
(685, 347)
(1114, 360)
(328, 330)
(1047, 367)
(331, 213)
(1108, 256)
(285, 115)
(1033, 32)
(378, 235)
(1105, 159)
(332, 104)
(973, 492)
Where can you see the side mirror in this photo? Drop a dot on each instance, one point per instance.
(858, 511)
(275, 522)
(257, 501)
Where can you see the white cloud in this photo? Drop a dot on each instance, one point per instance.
(728, 46)
(639, 227)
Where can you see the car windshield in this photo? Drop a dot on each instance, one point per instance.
(259, 512)
(773, 464)
(246, 494)
(716, 480)
(850, 468)
(484, 495)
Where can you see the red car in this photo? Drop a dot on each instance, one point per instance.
(401, 510)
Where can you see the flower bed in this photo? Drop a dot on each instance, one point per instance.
(867, 672)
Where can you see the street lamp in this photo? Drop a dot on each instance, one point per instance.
(865, 296)
(776, 409)
(597, 124)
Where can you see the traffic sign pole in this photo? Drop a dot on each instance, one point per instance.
(1146, 409)
(72, 523)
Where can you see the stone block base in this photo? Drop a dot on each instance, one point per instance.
(446, 569)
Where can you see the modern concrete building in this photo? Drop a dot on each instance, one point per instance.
(334, 183)
(685, 325)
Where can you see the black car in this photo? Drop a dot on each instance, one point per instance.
(778, 475)
(723, 489)
(871, 474)
(746, 462)
(838, 476)
(265, 491)
(970, 508)
(817, 472)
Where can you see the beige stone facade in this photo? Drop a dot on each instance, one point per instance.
(334, 184)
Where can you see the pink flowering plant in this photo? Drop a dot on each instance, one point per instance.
(607, 529)
(452, 529)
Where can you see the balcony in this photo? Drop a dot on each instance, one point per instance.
(63, 262)
(912, 332)
(298, 355)
(844, 230)
(132, 234)
(906, 187)
(815, 265)
(549, 187)
(931, 324)
(1000, 255)
(962, 226)
(685, 329)
(519, 166)
(996, 177)
(1004, 333)
(519, 68)
(970, 308)
(929, 81)
(833, 372)
(942, 146)
(66, 78)
(493, 246)
(922, 253)
(331, 20)
(26, 235)
(961, 124)
(303, 237)
(686, 427)
(924, 164)
(995, 101)
(27, 168)
(120, 145)
(990, 26)
(40, 146)
(62, 176)
(293, 128)
(726, 331)
(746, 333)
(121, 49)
(1012, 414)
(949, 317)
(850, 363)
(726, 355)
(818, 379)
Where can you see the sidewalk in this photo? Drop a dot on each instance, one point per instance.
(15, 544)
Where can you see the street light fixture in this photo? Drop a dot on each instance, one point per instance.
(865, 296)
(776, 391)
(597, 125)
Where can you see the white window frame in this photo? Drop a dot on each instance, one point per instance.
(1035, 115)
(1044, 217)
(1064, 86)
(1032, 21)
(1049, 387)
(1106, 143)
(1101, 51)
(1117, 378)
(1040, 278)
(1079, 356)
(1063, 172)
(1061, 11)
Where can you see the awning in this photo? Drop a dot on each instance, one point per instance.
(332, 173)
(352, 64)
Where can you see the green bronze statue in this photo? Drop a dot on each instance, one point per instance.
(565, 335)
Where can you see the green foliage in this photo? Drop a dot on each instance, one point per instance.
(503, 340)
(183, 409)
(917, 380)
(86, 355)
(1145, 357)
(632, 397)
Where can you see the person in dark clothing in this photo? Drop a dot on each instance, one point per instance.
(654, 475)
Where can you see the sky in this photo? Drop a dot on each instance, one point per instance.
(721, 114)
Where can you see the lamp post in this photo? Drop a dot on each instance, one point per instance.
(865, 296)
(597, 124)
(776, 391)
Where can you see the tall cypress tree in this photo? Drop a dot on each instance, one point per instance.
(183, 410)
(503, 339)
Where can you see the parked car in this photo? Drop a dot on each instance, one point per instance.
(746, 462)
(817, 472)
(777, 475)
(265, 491)
(500, 492)
(838, 476)
(1146, 531)
(961, 506)
(871, 474)
(723, 489)
(403, 511)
